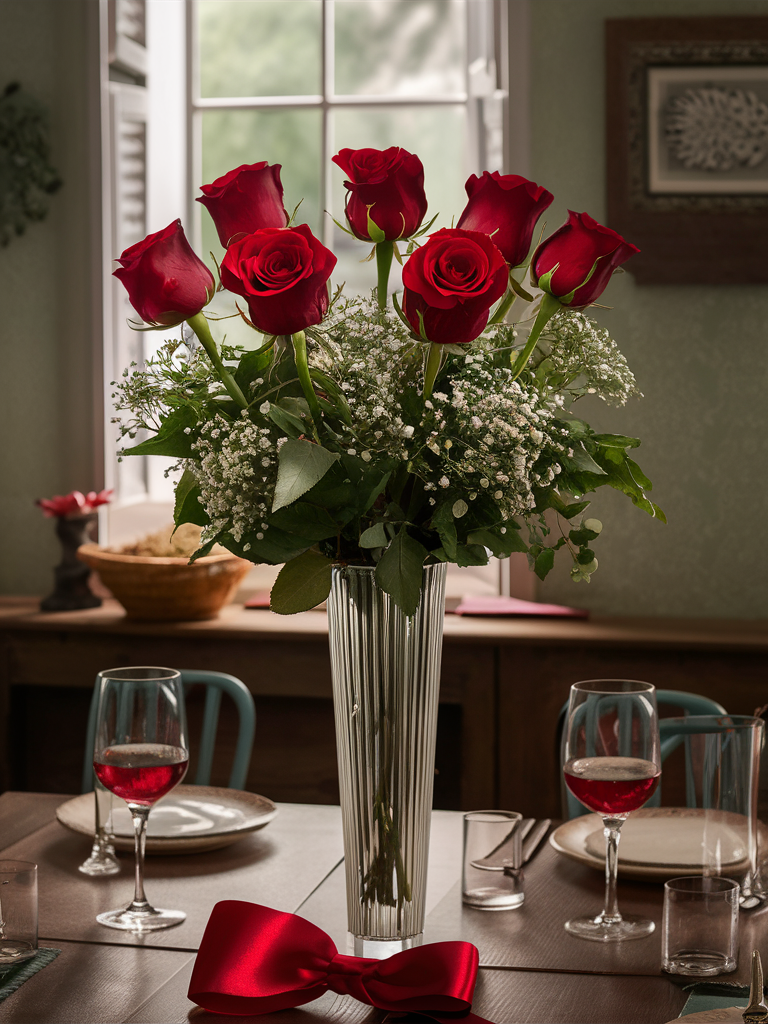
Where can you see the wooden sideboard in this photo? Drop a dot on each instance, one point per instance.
(503, 684)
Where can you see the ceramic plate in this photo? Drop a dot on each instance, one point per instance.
(188, 820)
(656, 842)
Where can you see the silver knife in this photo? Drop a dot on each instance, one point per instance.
(534, 838)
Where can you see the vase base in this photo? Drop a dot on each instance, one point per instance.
(380, 949)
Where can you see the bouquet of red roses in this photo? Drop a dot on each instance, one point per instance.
(384, 430)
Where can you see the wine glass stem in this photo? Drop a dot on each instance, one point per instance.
(139, 815)
(612, 833)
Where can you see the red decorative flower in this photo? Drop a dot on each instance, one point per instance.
(166, 282)
(74, 504)
(580, 257)
(245, 200)
(387, 184)
(453, 281)
(506, 207)
(283, 275)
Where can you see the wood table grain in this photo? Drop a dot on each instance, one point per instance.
(531, 970)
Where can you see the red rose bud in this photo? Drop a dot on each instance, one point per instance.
(506, 207)
(245, 200)
(283, 275)
(452, 281)
(576, 262)
(387, 184)
(166, 282)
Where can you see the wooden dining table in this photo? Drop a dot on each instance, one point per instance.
(530, 969)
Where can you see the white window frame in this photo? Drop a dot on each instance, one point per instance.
(498, 34)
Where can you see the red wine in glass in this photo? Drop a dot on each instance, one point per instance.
(612, 786)
(612, 764)
(141, 773)
(140, 753)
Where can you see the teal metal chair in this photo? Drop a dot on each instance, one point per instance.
(216, 683)
(691, 703)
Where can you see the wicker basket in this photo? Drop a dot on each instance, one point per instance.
(167, 589)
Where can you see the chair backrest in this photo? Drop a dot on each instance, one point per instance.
(216, 683)
(691, 703)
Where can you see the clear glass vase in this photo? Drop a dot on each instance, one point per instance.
(386, 683)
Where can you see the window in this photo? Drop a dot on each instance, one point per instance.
(237, 81)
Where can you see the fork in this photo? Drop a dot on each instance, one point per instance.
(757, 1010)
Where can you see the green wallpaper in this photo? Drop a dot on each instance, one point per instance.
(700, 355)
(46, 369)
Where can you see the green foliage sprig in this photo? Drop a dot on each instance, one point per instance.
(26, 174)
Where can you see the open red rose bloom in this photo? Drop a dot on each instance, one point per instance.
(451, 281)
(450, 285)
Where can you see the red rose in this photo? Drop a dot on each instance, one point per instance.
(283, 274)
(245, 200)
(506, 207)
(388, 184)
(453, 281)
(166, 282)
(74, 504)
(580, 256)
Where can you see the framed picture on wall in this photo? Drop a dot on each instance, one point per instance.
(687, 147)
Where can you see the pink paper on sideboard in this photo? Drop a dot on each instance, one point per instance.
(494, 605)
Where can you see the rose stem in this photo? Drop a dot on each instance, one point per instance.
(434, 359)
(302, 369)
(504, 307)
(549, 306)
(383, 263)
(199, 325)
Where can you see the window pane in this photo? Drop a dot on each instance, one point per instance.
(287, 137)
(436, 136)
(399, 47)
(259, 47)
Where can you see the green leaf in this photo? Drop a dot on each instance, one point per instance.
(288, 421)
(570, 511)
(275, 546)
(639, 475)
(301, 584)
(471, 554)
(544, 562)
(301, 465)
(501, 544)
(399, 572)
(310, 522)
(171, 439)
(443, 522)
(374, 537)
(187, 508)
(582, 460)
(252, 365)
(583, 535)
(615, 441)
(585, 556)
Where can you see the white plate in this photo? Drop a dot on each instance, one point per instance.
(188, 820)
(656, 842)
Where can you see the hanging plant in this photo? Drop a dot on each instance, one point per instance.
(26, 174)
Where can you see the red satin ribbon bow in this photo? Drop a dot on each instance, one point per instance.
(256, 960)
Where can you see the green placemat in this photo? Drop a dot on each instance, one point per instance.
(714, 996)
(15, 977)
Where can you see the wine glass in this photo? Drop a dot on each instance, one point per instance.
(612, 764)
(140, 754)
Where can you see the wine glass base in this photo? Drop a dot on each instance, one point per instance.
(598, 930)
(149, 920)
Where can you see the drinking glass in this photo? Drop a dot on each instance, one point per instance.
(612, 764)
(102, 860)
(140, 754)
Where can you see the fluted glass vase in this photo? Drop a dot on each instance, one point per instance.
(386, 683)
